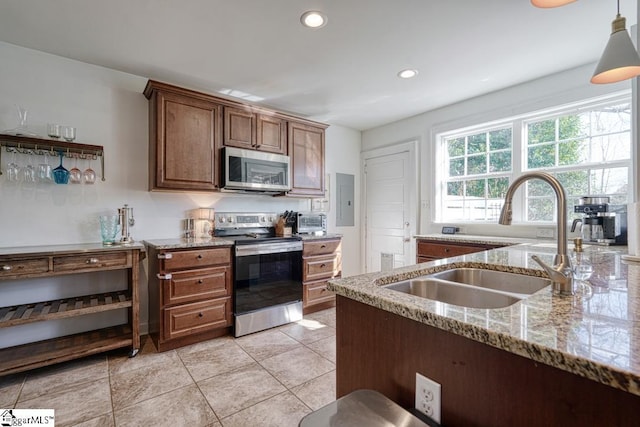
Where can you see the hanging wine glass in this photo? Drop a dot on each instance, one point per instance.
(61, 174)
(13, 169)
(75, 174)
(89, 175)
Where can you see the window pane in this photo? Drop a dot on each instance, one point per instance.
(477, 143)
(456, 167)
(570, 127)
(499, 139)
(475, 188)
(477, 164)
(572, 152)
(537, 188)
(497, 187)
(541, 156)
(476, 209)
(456, 147)
(541, 210)
(454, 188)
(575, 183)
(615, 118)
(609, 181)
(500, 161)
(544, 131)
(611, 147)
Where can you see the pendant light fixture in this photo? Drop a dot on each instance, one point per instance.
(620, 60)
(550, 3)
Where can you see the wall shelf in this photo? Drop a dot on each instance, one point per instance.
(46, 146)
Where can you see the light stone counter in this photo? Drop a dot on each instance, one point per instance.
(188, 243)
(594, 334)
(470, 238)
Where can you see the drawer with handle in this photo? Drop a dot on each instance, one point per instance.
(90, 261)
(317, 293)
(320, 247)
(320, 267)
(194, 258)
(23, 267)
(196, 317)
(194, 285)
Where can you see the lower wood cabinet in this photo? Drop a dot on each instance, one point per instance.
(322, 260)
(189, 295)
(428, 249)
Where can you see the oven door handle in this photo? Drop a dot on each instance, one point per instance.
(268, 248)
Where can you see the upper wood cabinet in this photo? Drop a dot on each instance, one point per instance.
(244, 128)
(184, 132)
(306, 150)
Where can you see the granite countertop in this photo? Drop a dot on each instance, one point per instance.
(594, 334)
(179, 243)
(470, 238)
(67, 248)
(320, 237)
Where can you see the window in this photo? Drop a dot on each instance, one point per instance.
(587, 147)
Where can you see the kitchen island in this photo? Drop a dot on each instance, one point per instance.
(545, 360)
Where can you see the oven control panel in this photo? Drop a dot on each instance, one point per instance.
(245, 220)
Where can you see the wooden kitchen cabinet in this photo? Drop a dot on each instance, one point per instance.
(184, 136)
(248, 129)
(66, 261)
(429, 250)
(189, 295)
(306, 150)
(322, 260)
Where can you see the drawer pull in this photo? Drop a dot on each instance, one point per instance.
(323, 265)
(164, 276)
(6, 268)
(199, 256)
(447, 249)
(200, 315)
(165, 256)
(200, 281)
(323, 246)
(92, 261)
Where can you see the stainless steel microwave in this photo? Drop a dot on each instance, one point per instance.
(255, 171)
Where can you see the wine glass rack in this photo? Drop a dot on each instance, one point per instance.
(45, 146)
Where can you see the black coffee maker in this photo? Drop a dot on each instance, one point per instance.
(602, 222)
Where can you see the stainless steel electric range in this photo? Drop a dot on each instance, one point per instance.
(267, 271)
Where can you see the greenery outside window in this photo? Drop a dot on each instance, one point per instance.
(587, 147)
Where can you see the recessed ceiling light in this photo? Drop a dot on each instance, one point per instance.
(313, 19)
(408, 73)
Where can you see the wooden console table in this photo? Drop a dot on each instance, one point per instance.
(45, 261)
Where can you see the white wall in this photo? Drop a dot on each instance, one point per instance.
(562, 88)
(107, 108)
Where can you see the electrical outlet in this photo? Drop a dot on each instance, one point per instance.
(428, 397)
(548, 233)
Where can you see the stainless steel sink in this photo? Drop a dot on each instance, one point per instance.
(513, 283)
(453, 293)
(472, 287)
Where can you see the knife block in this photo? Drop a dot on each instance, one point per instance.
(282, 230)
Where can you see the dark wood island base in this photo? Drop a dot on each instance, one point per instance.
(481, 385)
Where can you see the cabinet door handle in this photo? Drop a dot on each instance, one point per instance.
(200, 315)
(164, 276)
(165, 256)
(92, 261)
(200, 281)
(6, 268)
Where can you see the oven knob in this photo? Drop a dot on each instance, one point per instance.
(230, 219)
(221, 219)
(263, 219)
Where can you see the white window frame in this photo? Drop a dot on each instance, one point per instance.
(518, 124)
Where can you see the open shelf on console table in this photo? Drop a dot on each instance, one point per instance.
(33, 262)
(38, 145)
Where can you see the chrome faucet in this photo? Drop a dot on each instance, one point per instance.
(561, 273)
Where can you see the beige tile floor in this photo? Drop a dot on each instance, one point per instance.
(270, 378)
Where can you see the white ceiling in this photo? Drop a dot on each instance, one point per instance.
(344, 73)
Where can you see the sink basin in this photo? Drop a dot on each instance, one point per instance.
(513, 283)
(472, 287)
(453, 293)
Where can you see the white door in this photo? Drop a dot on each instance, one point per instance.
(389, 210)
